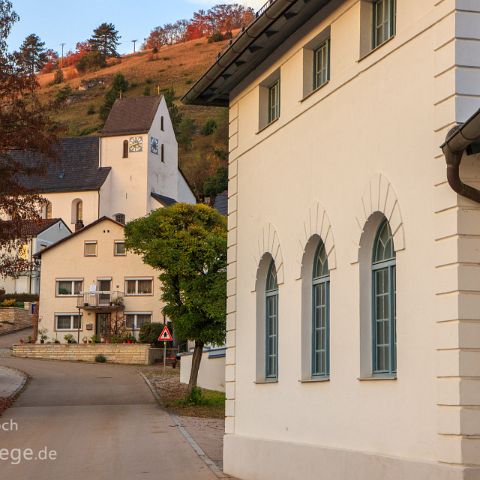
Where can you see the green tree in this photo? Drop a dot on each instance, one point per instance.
(209, 127)
(175, 115)
(119, 86)
(91, 61)
(105, 39)
(216, 184)
(33, 53)
(186, 129)
(188, 245)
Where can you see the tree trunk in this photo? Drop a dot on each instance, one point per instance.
(196, 359)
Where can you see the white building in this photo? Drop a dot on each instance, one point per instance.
(354, 295)
(129, 171)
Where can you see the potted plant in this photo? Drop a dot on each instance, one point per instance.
(85, 340)
(69, 338)
(43, 335)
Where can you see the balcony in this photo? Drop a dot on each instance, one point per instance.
(101, 301)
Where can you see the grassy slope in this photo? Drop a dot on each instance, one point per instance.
(176, 66)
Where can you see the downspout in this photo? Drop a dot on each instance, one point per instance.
(455, 146)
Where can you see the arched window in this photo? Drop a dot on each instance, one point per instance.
(384, 338)
(125, 149)
(271, 323)
(321, 314)
(77, 211)
(47, 210)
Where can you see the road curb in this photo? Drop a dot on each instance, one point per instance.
(12, 397)
(195, 446)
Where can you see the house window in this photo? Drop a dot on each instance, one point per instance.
(90, 248)
(139, 286)
(69, 287)
(162, 126)
(135, 321)
(125, 149)
(68, 321)
(162, 153)
(384, 19)
(271, 324)
(384, 303)
(274, 102)
(104, 287)
(120, 218)
(321, 65)
(321, 314)
(77, 211)
(47, 210)
(119, 248)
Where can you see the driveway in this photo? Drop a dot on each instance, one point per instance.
(100, 420)
(6, 341)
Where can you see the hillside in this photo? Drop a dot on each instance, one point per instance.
(175, 66)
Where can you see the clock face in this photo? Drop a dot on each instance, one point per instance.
(135, 144)
(154, 145)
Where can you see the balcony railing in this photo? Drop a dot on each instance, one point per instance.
(101, 301)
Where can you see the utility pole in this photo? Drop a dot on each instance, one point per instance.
(134, 42)
(63, 45)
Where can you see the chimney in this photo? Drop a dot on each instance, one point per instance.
(78, 225)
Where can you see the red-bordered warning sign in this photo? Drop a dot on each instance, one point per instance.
(165, 336)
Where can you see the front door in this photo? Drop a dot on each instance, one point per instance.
(102, 327)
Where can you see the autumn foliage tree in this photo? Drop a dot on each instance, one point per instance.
(24, 126)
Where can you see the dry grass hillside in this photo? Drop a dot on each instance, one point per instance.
(176, 66)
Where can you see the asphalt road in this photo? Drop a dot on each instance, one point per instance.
(101, 422)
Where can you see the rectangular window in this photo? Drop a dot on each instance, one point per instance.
(274, 102)
(135, 321)
(69, 288)
(320, 360)
(104, 288)
(162, 153)
(321, 65)
(272, 336)
(68, 321)
(90, 248)
(139, 286)
(384, 19)
(119, 248)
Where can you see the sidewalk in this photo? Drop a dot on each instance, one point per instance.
(11, 384)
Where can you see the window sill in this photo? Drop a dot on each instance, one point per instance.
(266, 381)
(267, 125)
(378, 378)
(313, 92)
(315, 380)
(371, 52)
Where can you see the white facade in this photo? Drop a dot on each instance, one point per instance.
(334, 165)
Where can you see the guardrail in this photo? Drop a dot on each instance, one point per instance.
(91, 300)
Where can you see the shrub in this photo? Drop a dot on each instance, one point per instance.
(19, 297)
(58, 77)
(209, 127)
(150, 332)
(147, 91)
(216, 37)
(92, 61)
(100, 358)
(91, 110)
(63, 94)
(8, 303)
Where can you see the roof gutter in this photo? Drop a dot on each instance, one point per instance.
(456, 144)
(269, 13)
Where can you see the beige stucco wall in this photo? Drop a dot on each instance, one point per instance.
(62, 206)
(366, 142)
(67, 260)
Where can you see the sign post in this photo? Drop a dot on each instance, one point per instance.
(165, 336)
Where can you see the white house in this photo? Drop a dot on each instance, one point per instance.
(129, 171)
(353, 294)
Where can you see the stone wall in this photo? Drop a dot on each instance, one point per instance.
(13, 319)
(115, 353)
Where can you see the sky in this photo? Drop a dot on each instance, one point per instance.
(70, 21)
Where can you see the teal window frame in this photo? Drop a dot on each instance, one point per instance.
(274, 101)
(383, 21)
(321, 65)
(384, 310)
(271, 324)
(320, 315)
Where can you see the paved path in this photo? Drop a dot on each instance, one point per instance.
(11, 381)
(6, 341)
(102, 422)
